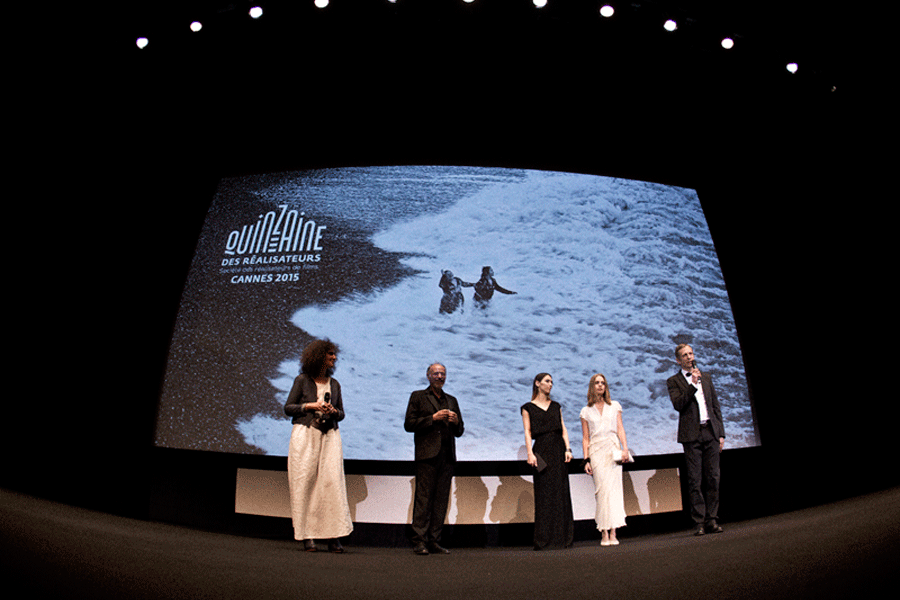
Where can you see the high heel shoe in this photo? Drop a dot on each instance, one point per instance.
(309, 545)
(335, 547)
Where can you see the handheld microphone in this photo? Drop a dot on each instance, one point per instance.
(322, 417)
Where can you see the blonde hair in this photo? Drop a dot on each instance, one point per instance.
(592, 396)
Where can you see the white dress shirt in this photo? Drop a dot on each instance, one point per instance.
(701, 399)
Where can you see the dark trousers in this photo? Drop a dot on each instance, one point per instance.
(432, 497)
(702, 466)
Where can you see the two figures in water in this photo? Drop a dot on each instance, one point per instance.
(453, 299)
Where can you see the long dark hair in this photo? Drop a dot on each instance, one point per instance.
(313, 358)
(534, 386)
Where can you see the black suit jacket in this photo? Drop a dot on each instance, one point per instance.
(684, 399)
(427, 434)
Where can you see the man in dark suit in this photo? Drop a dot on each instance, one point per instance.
(702, 435)
(434, 417)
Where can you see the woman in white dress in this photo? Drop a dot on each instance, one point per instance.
(602, 438)
(319, 507)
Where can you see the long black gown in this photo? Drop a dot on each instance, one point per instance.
(554, 526)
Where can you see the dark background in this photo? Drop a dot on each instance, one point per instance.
(121, 151)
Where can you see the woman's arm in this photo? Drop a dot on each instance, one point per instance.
(501, 289)
(296, 401)
(336, 412)
(526, 422)
(565, 436)
(620, 432)
(585, 446)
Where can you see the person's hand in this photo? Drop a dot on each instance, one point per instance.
(532, 460)
(452, 417)
(588, 469)
(721, 444)
(443, 415)
(568, 455)
(695, 375)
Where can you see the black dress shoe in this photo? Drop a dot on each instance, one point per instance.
(335, 546)
(699, 530)
(714, 527)
(420, 549)
(309, 545)
(435, 548)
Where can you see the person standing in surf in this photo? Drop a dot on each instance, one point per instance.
(453, 298)
(486, 286)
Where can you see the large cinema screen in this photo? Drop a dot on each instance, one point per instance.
(607, 275)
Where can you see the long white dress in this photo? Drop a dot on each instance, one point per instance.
(610, 512)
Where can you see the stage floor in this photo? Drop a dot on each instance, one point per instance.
(837, 550)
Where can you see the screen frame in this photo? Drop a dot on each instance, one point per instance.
(494, 460)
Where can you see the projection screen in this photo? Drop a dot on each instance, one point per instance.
(608, 276)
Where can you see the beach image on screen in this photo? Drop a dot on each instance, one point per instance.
(588, 274)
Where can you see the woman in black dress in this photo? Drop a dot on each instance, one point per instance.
(554, 526)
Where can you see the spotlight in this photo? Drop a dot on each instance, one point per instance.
(321, 3)
(728, 43)
(607, 10)
(256, 12)
(540, 3)
(792, 67)
(142, 42)
(670, 25)
(196, 26)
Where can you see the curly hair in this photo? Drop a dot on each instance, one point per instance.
(313, 357)
(592, 396)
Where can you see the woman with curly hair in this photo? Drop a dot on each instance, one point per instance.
(319, 507)
(605, 449)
